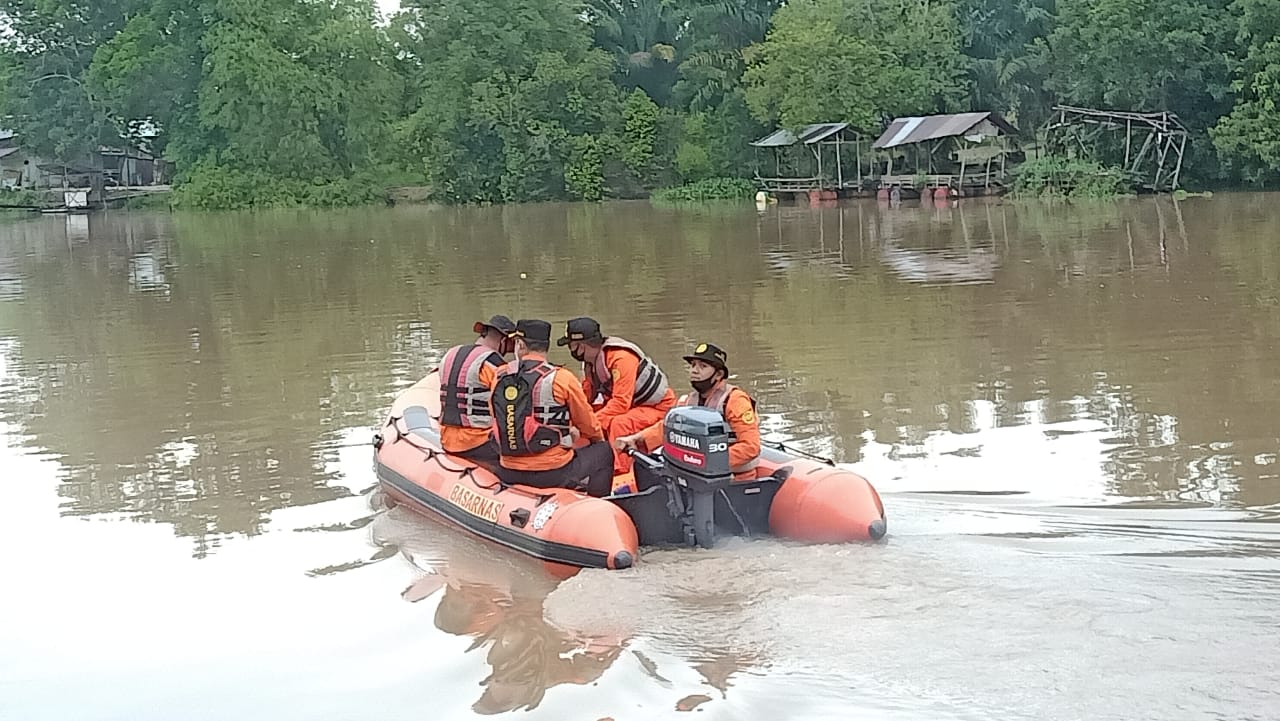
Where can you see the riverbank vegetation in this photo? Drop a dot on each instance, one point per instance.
(708, 189)
(286, 102)
(1051, 176)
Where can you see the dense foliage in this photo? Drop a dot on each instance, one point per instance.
(318, 102)
(1067, 177)
(708, 189)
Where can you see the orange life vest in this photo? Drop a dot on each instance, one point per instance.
(464, 400)
(651, 382)
(718, 401)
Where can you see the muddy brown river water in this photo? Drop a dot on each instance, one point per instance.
(1071, 412)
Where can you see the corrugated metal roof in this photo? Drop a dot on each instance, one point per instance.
(809, 135)
(6, 152)
(906, 131)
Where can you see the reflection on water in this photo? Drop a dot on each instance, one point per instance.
(1087, 386)
(496, 600)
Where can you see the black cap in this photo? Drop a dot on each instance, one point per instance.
(710, 354)
(534, 330)
(497, 322)
(580, 329)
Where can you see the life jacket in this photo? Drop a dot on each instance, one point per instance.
(651, 382)
(527, 419)
(464, 399)
(717, 401)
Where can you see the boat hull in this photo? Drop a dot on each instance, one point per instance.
(789, 497)
(557, 525)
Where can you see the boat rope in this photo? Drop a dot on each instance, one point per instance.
(433, 454)
(792, 449)
(734, 511)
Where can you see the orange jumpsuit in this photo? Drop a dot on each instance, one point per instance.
(739, 411)
(617, 416)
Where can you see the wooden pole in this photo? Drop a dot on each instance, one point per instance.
(857, 153)
(839, 165)
(1128, 129)
(1142, 153)
(1162, 151)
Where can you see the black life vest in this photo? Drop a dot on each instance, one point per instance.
(526, 418)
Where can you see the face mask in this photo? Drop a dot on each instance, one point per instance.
(704, 385)
(579, 355)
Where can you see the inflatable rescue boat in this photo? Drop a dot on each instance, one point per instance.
(685, 493)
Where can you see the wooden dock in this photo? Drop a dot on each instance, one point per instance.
(85, 200)
(980, 183)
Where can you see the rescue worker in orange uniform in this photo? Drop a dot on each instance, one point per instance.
(633, 391)
(539, 410)
(708, 369)
(467, 375)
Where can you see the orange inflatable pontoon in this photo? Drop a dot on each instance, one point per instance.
(685, 495)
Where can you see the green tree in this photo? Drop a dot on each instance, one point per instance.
(44, 96)
(1144, 55)
(260, 103)
(150, 72)
(1006, 45)
(502, 108)
(1249, 138)
(642, 37)
(854, 61)
(640, 117)
(295, 89)
(716, 33)
(714, 142)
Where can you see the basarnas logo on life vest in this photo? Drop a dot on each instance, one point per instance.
(510, 426)
(510, 393)
(474, 503)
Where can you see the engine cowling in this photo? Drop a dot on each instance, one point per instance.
(695, 442)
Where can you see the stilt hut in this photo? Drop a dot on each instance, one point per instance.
(830, 157)
(967, 153)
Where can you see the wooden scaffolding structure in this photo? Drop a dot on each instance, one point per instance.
(1155, 164)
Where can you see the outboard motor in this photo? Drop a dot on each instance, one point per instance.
(695, 443)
